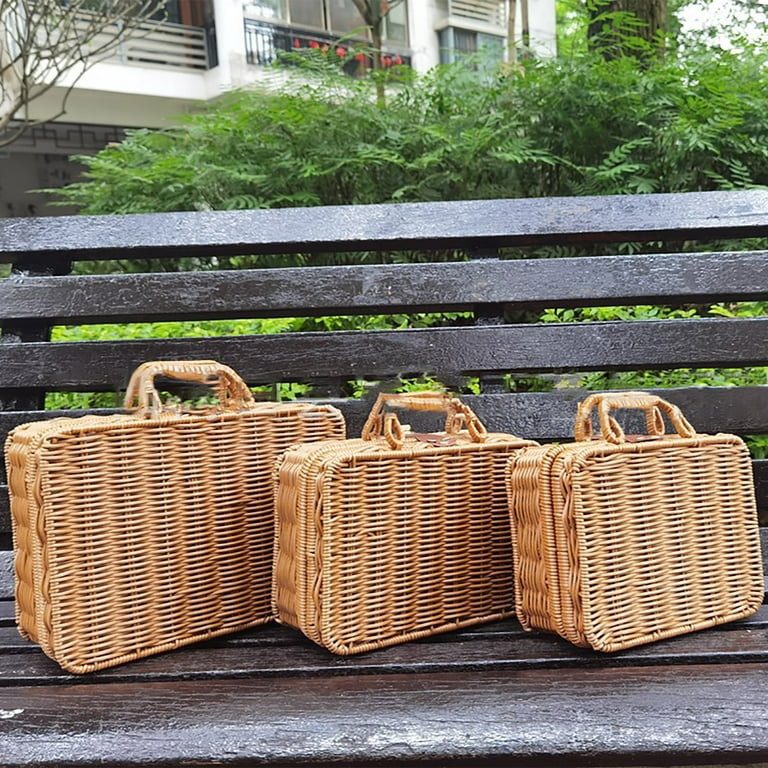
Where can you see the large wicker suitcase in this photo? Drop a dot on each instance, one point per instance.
(141, 532)
(395, 535)
(619, 540)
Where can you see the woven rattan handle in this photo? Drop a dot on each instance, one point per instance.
(142, 396)
(458, 416)
(610, 430)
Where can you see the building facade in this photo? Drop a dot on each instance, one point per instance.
(207, 47)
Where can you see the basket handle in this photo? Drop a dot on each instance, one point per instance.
(609, 428)
(458, 416)
(141, 395)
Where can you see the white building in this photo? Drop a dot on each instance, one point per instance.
(211, 46)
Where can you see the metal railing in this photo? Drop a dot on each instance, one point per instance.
(490, 12)
(161, 44)
(167, 45)
(267, 43)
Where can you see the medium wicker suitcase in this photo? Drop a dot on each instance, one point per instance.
(621, 540)
(395, 535)
(142, 532)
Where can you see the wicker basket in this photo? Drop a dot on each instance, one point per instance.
(395, 535)
(137, 533)
(619, 540)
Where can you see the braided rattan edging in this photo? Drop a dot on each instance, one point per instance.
(619, 543)
(138, 533)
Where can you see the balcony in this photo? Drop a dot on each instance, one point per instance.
(169, 46)
(485, 17)
(267, 43)
(486, 12)
(162, 45)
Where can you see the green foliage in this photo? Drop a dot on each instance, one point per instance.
(758, 446)
(680, 377)
(213, 328)
(168, 330)
(694, 119)
(579, 124)
(64, 401)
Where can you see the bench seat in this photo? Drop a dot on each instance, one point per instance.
(490, 695)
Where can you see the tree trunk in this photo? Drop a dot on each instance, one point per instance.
(605, 37)
(378, 65)
(511, 33)
(373, 13)
(526, 28)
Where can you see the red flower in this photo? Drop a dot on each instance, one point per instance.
(398, 61)
(340, 52)
(314, 44)
(360, 57)
(387, 61)
(296, 42)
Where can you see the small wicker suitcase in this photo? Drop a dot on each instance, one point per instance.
(620, 540)
(142, 532)
(395, 535)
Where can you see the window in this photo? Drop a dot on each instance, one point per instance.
(343, 17)
(338, 17)
(396, 25)
(306, 13)
(269, 9)
(456, 43)
(193, 13)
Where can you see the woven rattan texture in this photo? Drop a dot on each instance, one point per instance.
(376, 546)
(616, 545)
(137, 535)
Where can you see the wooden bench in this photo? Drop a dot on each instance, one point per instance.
(491, 695)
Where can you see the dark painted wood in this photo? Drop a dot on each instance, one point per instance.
(26, 398)
(28, 330)
(761, 489)
(550, 415)
(284, 653)
(539, 415)
(285, 640)
(485, 696)
(439, 225)
(275, 634)
(659, 278)
(579, 717)
(350, 354)
(6, 575)
(7, 616)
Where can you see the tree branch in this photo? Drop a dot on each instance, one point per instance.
(44, 43)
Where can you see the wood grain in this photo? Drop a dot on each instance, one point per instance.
(439, 225)
(452, 286)
(489, 695)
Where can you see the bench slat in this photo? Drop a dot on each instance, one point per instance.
(482, 696)
(567, 282)
(297, 356)
(6, 575)
(454, 224)
(537, 415)
(297, 658)
(274, 634)
(580, 716)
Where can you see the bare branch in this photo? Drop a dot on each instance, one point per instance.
(47, 43)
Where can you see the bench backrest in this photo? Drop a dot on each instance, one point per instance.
(499, 263)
